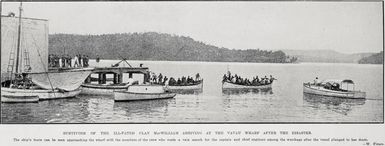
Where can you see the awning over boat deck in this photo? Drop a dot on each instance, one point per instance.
(141, 70)
(338, 81)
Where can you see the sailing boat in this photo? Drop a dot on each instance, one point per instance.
(26, 75)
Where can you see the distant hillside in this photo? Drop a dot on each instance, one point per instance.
(155, 46)
(377, 58)
(329, 56)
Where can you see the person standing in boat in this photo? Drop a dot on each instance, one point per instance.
(63, 61)
(87, 61)
(49, 60)
(80, 60)
(57, 61)
(76, 63)
(197, 77)
(97, 58)
(84, 60)
(272, 79)
(316, 81)
(69, 60)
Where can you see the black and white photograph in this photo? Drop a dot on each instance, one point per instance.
(225, 62)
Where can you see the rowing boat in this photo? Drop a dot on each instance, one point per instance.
(143, 92)
(228, 85)
(197, 86)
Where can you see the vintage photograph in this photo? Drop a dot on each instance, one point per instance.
(192, 62)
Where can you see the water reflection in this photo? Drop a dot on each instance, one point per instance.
(338, 105)
(246, 91)
(17, 112)
(146, 107)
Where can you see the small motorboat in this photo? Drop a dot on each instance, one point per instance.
(101, 87)
(334, 88)
(143, 92)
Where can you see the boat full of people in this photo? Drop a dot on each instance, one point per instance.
(333, 88)
(237, 82)
(179, 84)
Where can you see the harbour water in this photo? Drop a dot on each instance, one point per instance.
(285, 102)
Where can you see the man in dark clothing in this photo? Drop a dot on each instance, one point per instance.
(172, 81)
(80, 60)
(63, 61)
(154, 78)
(165, 80)
(97, 58)
(69, 60)
(271, 79)
(188, 80)
(85, 60)
(179, 82)
(160, 78)
(56, 58)
(49, 60)
(197, 77)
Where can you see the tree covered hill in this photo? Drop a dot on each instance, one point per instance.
(156, 46)
(330, 56)
(377, 58)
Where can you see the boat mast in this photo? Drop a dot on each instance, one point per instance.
(18, 39)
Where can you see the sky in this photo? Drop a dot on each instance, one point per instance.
(346, 27)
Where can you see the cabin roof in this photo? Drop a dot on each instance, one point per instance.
(349, 81)
(120, 70)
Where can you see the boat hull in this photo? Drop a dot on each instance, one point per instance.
(186, 87)
(95, 89)
(41, 93)
(69, 79)
(227, 85)
(130, 96)
(320, 91)
(19, 99)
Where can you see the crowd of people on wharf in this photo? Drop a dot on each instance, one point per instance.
(256, 81)
(65, 61)
(183, 81)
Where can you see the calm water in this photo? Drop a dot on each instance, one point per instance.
(284, 103)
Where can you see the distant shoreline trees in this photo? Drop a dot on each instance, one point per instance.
(157, 46)
(377, 58)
